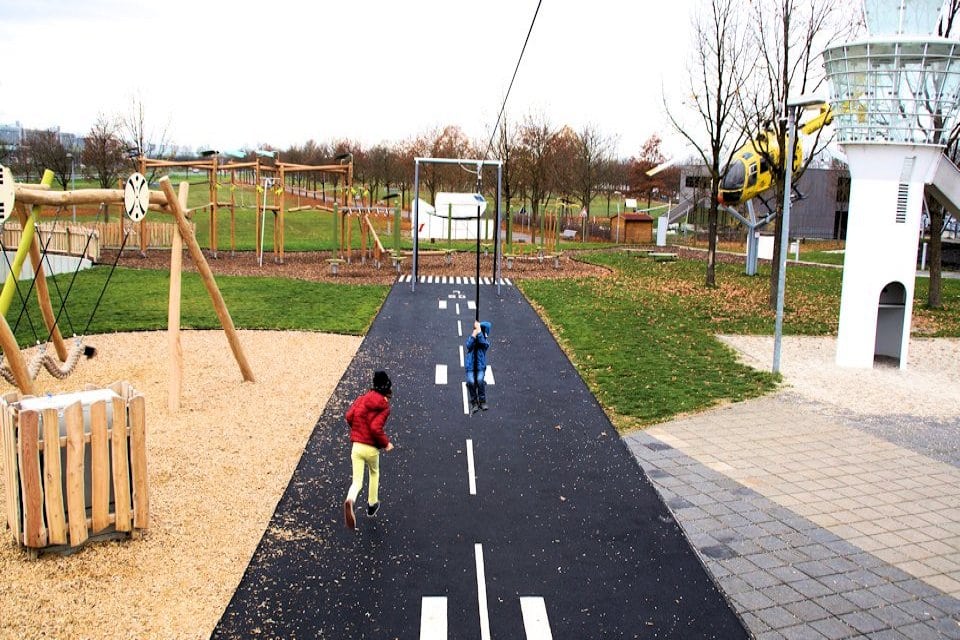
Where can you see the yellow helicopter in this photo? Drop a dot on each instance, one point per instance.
(750, 174)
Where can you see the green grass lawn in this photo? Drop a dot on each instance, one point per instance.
(136, 300)
(642, 338)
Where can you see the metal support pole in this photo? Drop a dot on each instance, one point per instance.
(784, 236)
(416, 218)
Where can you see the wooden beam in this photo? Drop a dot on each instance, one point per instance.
(173, 310)
(25, 195)
(208, 280)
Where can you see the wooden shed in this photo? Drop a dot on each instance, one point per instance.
(633, 228)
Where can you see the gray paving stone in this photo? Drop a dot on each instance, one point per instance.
(921, 631)
(866, 578)
(807, 611)
(864, 599)
(833, 628)
(760, 579)
(801, 632)
(766, 561)
(770, 635)
(945, 603)
(863, 621)
(753, 601)
(718, 552)
(745, 547)
(917, 588)
(783, 594)
(921, 610)
(840, 583)
(836, 604)
(949, 627)
(891, 593)
(811, 588)
(815, 568)
(787, 574)
(887, 634)
(735, 584)
(894, 616)
(777, 617)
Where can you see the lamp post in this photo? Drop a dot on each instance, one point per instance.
(792, 106)
(73, 185)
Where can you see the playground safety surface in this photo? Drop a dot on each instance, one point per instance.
(563, 532)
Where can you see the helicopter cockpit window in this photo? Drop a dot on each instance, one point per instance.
(734, 177)
(752, 180)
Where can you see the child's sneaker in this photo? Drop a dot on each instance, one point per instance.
(349, 518)
(372, 509)
(474, 407)
(484, 405)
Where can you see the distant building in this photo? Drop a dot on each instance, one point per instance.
(820, 213)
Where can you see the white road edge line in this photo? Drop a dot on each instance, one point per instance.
(470, 468)
(535, 622)
(482, 594)
(461, 356)
(488, 376)
(441, 374)
(459, 328)
(466, 404)
(433, 618)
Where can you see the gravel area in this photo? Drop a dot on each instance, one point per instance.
(217, 469)
(313, 266)
(917, 407)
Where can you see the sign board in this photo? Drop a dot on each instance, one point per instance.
(630, 203)
(136, 197)
(6, 193)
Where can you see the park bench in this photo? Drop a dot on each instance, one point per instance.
(663, 257)
(569, 234)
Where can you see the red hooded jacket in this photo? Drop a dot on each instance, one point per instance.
(366, 418)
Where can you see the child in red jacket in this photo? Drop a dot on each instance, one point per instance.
(366, 418)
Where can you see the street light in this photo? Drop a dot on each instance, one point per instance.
(792, 106)
(73, 185)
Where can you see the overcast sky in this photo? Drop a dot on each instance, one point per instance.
(241, 74)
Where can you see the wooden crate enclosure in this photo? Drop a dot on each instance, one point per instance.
(92, 484)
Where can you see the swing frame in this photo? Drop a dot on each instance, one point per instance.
(479, 164)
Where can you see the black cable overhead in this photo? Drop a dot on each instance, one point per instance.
(503, 107)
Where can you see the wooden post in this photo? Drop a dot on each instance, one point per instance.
(233, 210)
(283, 204)
(173, 310)
(257, 211)
(43, 292)
(207, 276)
(214, 197)
(336, 229)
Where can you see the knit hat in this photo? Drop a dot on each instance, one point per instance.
(381, 382)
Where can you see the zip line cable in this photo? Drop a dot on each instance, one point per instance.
(510, 87)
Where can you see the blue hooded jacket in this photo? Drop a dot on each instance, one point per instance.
(480, 344)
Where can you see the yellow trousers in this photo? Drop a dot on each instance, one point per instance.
(366, 457)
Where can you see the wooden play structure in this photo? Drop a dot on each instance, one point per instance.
(366, 219)
(75, 467)
(215, 169)
(272, 179)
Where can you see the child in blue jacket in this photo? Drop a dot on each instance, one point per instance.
(475, 365)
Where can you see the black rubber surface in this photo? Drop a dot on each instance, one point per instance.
(562, 510)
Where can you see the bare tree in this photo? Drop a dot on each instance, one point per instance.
(593, 151)
(103, 152)
(789, 36)
(47, 151)
(936, 210)
(140, 139)
(536, 136)
(507, 151)
(718, 71)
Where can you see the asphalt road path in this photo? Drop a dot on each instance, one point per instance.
(530, 520)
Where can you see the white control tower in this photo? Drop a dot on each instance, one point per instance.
(894, 95)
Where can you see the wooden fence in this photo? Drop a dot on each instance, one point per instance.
(79, 477)
(63, 239)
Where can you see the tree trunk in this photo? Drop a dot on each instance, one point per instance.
(712, 245)
(934, 300)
